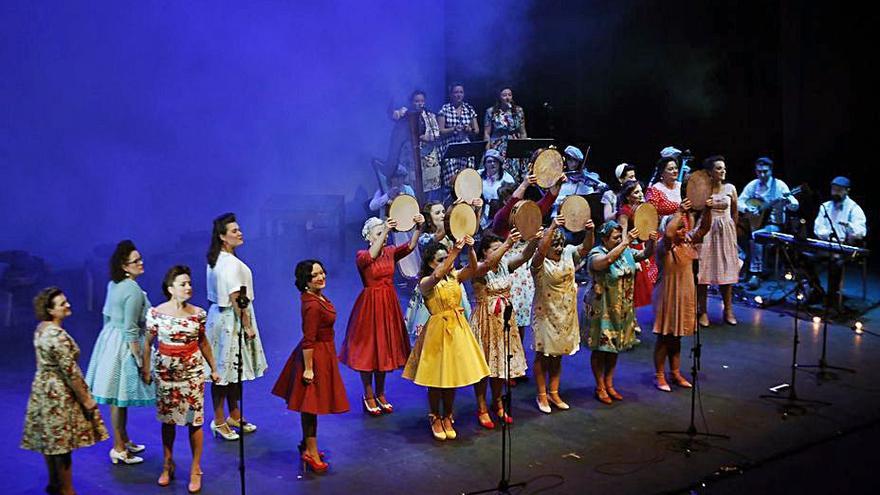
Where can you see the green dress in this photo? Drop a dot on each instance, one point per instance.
(612, 316)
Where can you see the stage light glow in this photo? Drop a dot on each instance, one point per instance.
(800, 296)
(759, 300)
(817, 319)
(789, 276)
(858, 327)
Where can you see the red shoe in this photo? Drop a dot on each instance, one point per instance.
(372, 411)
(502, 415)
(385, 406)
(316, 465)
(487, 423)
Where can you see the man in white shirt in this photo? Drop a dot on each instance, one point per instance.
(396, 186)
(839, 220)
(777, 200)
(579, 180)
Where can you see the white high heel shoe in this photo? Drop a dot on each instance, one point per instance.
(124, 457)
(134, 448)
(248, 426)
(215, 430)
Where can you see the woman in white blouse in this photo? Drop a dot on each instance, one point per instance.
(226, 276)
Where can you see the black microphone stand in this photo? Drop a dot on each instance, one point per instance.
(504, 484)
(686, 446)
(242, 301)
(792, 401)
(823, 365)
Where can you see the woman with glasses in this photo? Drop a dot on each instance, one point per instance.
(114, 368)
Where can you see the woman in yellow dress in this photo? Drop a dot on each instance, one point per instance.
(446, 355)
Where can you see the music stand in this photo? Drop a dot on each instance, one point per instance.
(523, 148)
(474, 149)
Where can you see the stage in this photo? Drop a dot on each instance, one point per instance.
(590, 448)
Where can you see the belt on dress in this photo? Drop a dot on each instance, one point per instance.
(449, 317)
(184, 350)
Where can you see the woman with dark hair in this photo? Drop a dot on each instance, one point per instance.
(623, 173)
(554, 310)
(226, 275)
(310, 381)
(612, 317)
(434, 231)
(375, 339)
(179, 369)
(457, 120)
(665, 192)
(719, 256)
(61, 414)
(492, 283)
(503, 121)
(629, 198)
(675, 299)
(114, 369)
(446, 355)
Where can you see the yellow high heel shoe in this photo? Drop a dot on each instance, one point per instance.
(450, 433)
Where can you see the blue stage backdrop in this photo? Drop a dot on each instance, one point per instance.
(144, 120)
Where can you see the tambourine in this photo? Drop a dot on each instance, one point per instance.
(646, 220)
(526, 217)
(461, 220)
(403, 208)
(547, 166)
(699, 189)
(576, 211)
(468, 185)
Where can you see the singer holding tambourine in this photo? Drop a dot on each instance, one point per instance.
(226, 276)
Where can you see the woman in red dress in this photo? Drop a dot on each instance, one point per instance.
(310, 381)
(628, 200)
(376, 341)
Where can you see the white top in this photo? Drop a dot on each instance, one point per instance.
(380, 199)
(849, 221)
(227, 276)
(768, 192)
(491, 187)
(673, 194)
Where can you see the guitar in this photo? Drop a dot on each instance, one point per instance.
(756, 208)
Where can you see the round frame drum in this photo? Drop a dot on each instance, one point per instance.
(699, 189)
(646, 220)
(468, 185)
(526, 217)
(403, 208)
(576, 211)
(461, 220)
(547, 166)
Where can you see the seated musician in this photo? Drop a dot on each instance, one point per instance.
(396, 185)
(840, 220)
(578, 179)
(763, 204)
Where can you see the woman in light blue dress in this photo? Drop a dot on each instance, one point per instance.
(113, 375)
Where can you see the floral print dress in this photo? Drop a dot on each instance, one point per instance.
(612, 315)
(55, 422)
(506, 125)
(179, 367)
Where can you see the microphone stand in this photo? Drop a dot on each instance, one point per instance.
(687, 444)
(823, 365)
(792, 401)
(242, 301)
(504, 484)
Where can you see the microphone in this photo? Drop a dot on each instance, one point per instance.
(242, 299)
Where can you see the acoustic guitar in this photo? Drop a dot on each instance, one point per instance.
(757, 208)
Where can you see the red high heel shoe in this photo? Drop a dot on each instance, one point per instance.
(372, 411)
(316, 465)
(487, 424)
(385, 406)
(502, 414)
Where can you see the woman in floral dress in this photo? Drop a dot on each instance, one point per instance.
(61, 413)
(504, 121)
(612, 317)
(179, 370)
(492, 283)
(554, 312)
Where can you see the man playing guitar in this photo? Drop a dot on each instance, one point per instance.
(763, 204)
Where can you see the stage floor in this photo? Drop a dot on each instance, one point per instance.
(590, 448)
